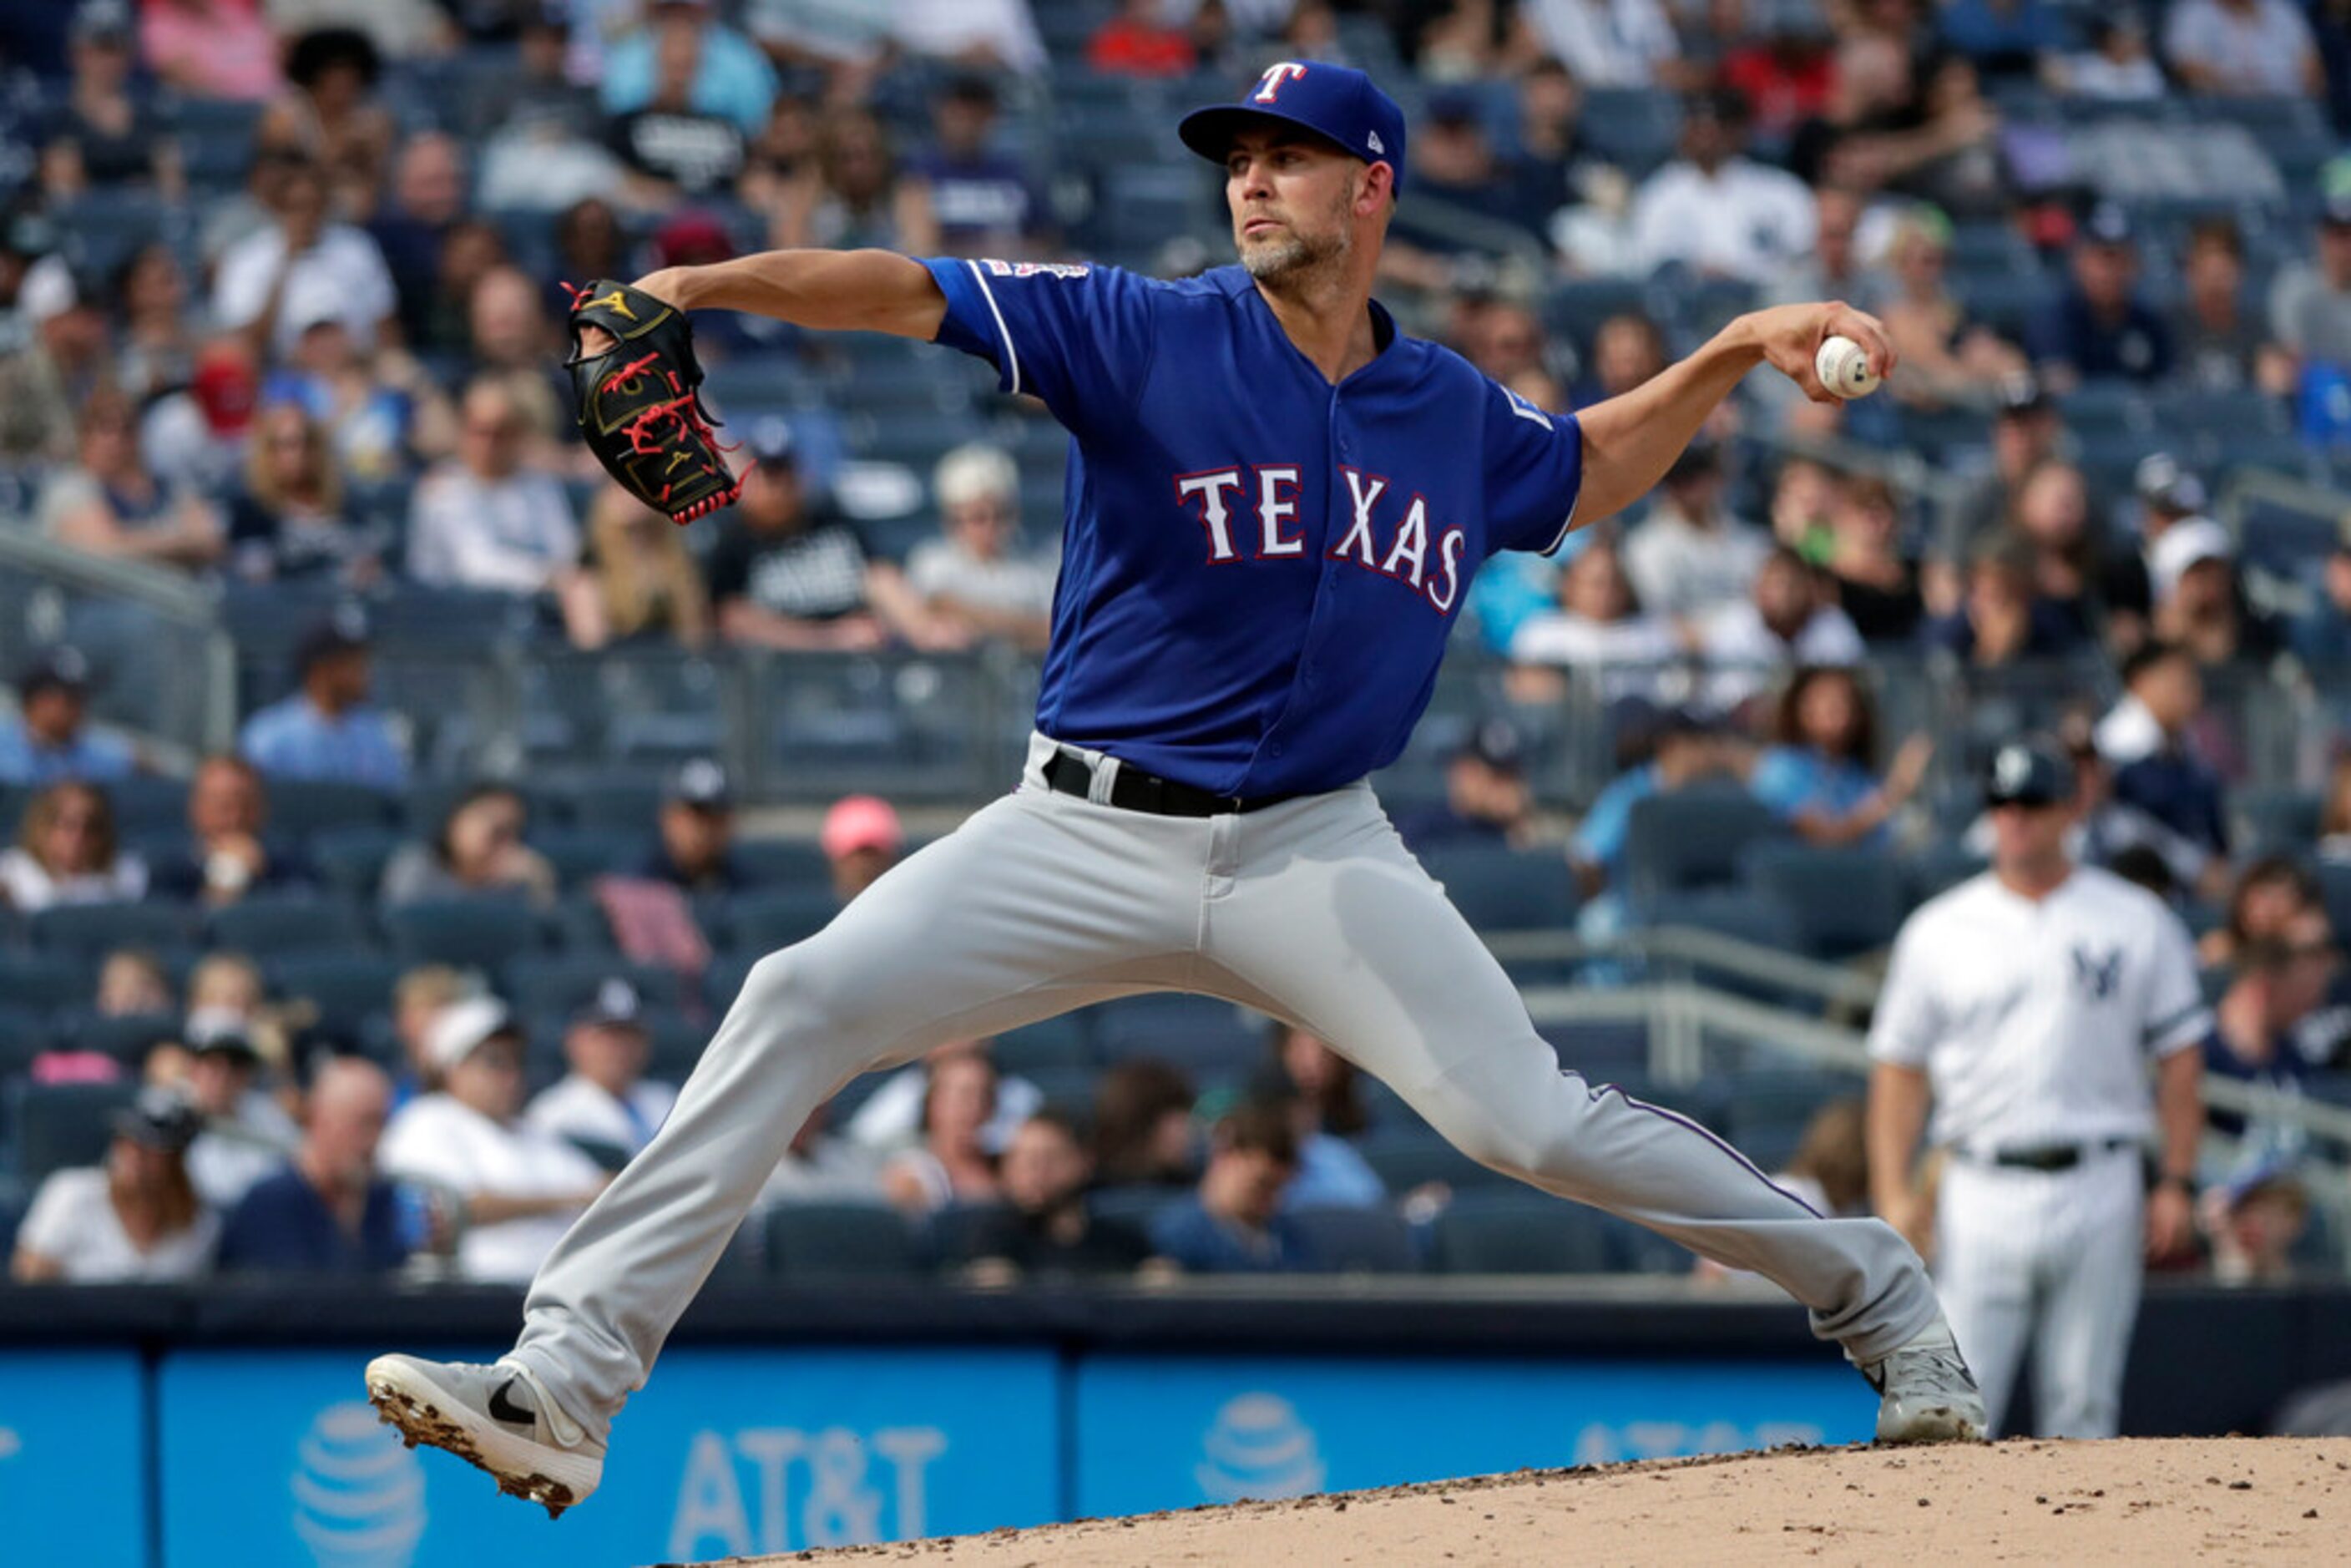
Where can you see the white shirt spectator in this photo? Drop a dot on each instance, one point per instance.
(439, 1141)
(2128, 733)
(581, 1112)
(223, 1168)
(27, 885)
(2094, 76)
(1633, 657)
(952, 29)
(1742, 653)
(400, 28)
(891, 1116)
(846, 30)
(1009, 584)
(342, 277)
(1680, 569)
(73, 1221)
(1746, 220)
(514, 533)
(1605, 43)
(2264, 50)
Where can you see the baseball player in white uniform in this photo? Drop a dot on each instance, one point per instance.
(2027, 1004)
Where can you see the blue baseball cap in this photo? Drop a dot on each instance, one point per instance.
(1338, 103)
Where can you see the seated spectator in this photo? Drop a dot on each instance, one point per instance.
(136, 1217)
(643, 585)
(1784, 621)
(2026, 431)
(892, 1118)
(428, 196)
(2199, 602)
(2276, 984)
(106, 135)
(478, 850)
(488, 519)
(2334, 812)
(330, 112)
(2253, 1221)
(113, 505)
(784, 573)
(2144, 736)
(1945, 359)
(1044, 1226)
(1458, 175)
(326, 729)
(1688, 556)
(852, 193)
(2052, 521)
(822, 1166)
(979, 35)
(48, 739)
(1317, 1087)
(863, 838)
(605, 1105)
(2223, 346)
(972, 581)
(226, 856)
(1816, 776)
(508, 336)
(1715, 211)
(1487, 801)
(1682, 750)
(2117, 68)
(731, 78)
(2100, 328)
(2243, 48)
(381, 413)
(288, 523)
(1234, 1223)
(983, 200)
(326, 1210)
(2268, 896)
(673, 150)
(1627, 349)
(418, 998)
(211, 48)
(1143, 1126)
(48, 373)
(1876, 585)
(1138, 40)
(159, 339)
(697, 832)
(1603, 627)
(133, 983)
(2167, 495)
(2002, 621)
(950, 1165)
(2310, 301)
(247, 1136)
(519, 1189)
(301, 267)
(1607, 43)
(65, 852)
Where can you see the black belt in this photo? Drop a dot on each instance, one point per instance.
(1133, 789)
(2052, 1156)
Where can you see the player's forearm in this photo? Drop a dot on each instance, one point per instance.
(1633, 438)
(2179, 1109)
(829, 290)
(1896, 1115)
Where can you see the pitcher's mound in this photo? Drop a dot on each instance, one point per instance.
(2220, 1500)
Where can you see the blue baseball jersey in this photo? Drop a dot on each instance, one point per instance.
(1258, 568)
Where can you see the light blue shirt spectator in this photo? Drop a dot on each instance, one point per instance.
(1796, 780)
(93, 758)
(297, 739)
(1331, 1175)
(734, 80)
(1600, 837)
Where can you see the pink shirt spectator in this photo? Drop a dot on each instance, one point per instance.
(211, 48)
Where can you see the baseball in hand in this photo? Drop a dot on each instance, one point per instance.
(1843, 368)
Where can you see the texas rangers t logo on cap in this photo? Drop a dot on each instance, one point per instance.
(1269, 86)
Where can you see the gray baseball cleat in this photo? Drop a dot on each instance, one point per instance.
(497, 1418)
(1926, 1395)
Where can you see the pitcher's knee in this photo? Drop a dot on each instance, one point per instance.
(1517, 1139)
(794, 993)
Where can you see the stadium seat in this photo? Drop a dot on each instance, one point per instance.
(2335, 887)
(44, 982)
(1063, 1041)
(1406, 1157)
(632, 803)
(1690, 839)
(564, 983)
(2278, 820)
(23, 1034)
(1839, 902)
(309, 806)
(766, 921)
(346, 988)
(290, 923)
(725, 977)
(1497, 888)
(1350, 1240)
(91, 931)
(1766, 1113)
(62, 1124)
(783, 862)
(350, 860)
(958, 1233)
(126, 1037)
(1603, 1050)
(811, 1240)
(1134, 1205)
(484, 931)
(147, 802)
(1520, 1232)
(1070, 1089)
(579, 855)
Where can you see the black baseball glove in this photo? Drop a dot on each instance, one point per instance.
(639, 402)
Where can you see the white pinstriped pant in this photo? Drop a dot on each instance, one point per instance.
(1310, 911)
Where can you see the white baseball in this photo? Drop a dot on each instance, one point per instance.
(1843, 368)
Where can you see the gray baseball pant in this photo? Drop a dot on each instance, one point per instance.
(1311, 911)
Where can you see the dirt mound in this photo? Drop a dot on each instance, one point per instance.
(2224, 1499)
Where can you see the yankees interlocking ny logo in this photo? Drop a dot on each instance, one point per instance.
(1269, 86)
(2099, 974)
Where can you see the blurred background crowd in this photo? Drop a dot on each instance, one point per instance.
(393, 807)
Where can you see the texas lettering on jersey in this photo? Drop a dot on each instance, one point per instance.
(1401, 547)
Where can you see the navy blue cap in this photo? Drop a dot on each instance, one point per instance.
(2028, 773)
(1338, 103)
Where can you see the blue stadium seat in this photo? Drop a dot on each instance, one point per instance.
(1066, 1088)
(633, 803)
(1348, 1240)
(309, 806)
(1839, 902)
(783, 862)
(1603, 1050)
(1689, 841)
(264, 924)
(766, 921)
(91, 931)
(1497, 888)
(1134, 1205)
(44, 982)
(127, 1036)
(1063, 1042)
(351, 860)
(484, 931)
(23, 1034)
(1767, 1112)
(2278, 820)
(725, 977)
(1410, 1157)
(346, 988)
(561, 984)
(805, 1239)
(1520, 1232)
(62, 1124)
(959, 1232)
(146, 802)
(579, 855)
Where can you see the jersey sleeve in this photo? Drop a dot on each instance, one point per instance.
(2177, 1017)
(1904, 1028)
(1535, 469)
(1078, 337)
